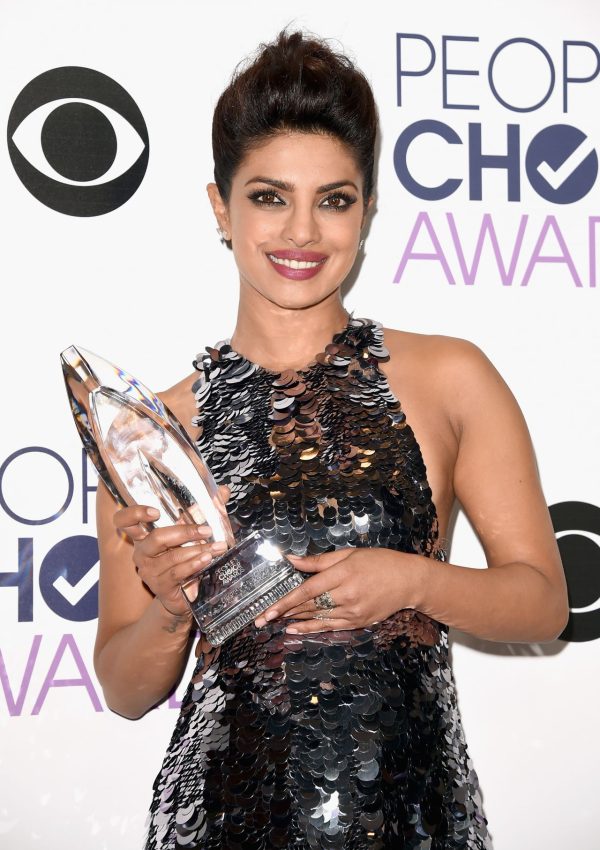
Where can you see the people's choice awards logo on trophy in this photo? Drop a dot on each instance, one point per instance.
(144, 456)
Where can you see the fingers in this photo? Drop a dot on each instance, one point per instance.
(165, 557)
(165, 560)
(131, 520)
(165, 574)
(316, 614)
(331, 623)
(310, 608)
(316, 563)
(224, 492)
(174, 570)
(171, 536)
(326, 578)
(302, 597)
(134, 532)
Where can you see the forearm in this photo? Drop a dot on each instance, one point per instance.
(140, 663)
(513, 602)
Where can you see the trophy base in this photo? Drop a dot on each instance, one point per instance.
(238, 586)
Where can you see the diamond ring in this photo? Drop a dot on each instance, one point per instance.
(325, 600)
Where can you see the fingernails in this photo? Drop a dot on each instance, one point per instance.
(202, 560)
(152, 513)
(271, 615)
(292, 631)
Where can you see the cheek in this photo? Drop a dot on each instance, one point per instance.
(251, 230)
(346, 232)
(345, 245)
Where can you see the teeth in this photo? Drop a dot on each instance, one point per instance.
(294, 264)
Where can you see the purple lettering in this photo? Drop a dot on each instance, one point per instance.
(15, 706)
(538, 257)
(84, 681)
(487, 226)
(593, 221)
(423, 220)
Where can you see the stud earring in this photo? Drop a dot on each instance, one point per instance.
(361, 244)
(224, 236)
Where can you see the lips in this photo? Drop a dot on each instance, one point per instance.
(297, 265)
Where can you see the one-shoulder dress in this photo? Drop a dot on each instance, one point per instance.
(348, 739)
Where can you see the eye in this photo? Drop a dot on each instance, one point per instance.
(78, 141)
(338, 201)
(266, 198)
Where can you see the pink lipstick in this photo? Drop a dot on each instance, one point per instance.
(297, 265)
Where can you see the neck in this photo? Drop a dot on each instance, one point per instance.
(278, 338)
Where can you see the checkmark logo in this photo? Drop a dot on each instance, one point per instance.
(69, 578)
(555, 177)
(74, 593)
(561, 164)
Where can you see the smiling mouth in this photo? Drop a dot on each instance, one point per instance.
(295, 264)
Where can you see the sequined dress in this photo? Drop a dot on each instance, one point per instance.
(347, 739)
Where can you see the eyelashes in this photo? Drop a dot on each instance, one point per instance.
(347, 200)
(259, 197)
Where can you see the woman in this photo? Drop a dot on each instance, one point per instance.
(331, 721)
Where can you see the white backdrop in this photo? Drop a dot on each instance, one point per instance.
(148, 285)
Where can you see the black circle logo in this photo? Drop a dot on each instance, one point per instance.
(576, 524)
(78, 141)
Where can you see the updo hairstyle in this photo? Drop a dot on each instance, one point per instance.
(295, 83)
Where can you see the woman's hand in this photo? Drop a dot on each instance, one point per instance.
(365, 585)
(165, 557)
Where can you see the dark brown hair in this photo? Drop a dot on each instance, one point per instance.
(296, 82)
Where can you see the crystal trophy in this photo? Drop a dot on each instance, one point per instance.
(144, 456)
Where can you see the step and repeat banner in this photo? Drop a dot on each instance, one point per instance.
(486, 227)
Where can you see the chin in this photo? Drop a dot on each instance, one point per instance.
(299, 300)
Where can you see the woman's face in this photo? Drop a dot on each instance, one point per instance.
(294, 218)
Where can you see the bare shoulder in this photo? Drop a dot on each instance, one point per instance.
(440, 358)
(457, 372)
(180, 400)
(434, 350)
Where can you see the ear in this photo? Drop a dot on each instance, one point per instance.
(366, 210)
(220, 210)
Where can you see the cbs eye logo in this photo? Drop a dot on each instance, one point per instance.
(577, 529)
(78, 141)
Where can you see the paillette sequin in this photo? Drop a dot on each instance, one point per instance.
(334, 740)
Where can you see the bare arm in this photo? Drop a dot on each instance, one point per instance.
(144, 624)
(522, 596)
(143, 635)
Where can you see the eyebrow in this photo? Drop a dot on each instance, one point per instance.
(289, 187)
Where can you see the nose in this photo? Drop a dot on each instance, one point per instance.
(301, 225)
